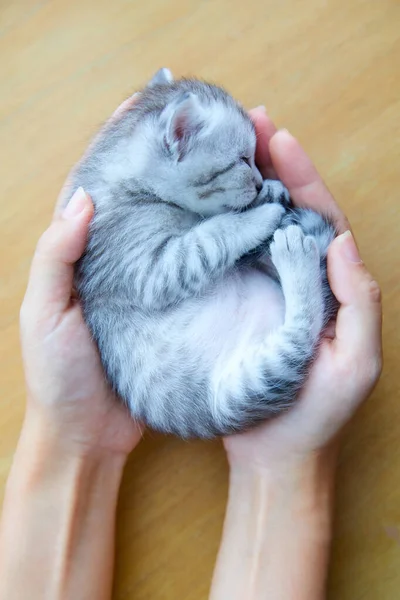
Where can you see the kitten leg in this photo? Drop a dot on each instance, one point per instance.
(273, 191)
(320, 227)
(264, 380)
(324, 232)
(183, 266)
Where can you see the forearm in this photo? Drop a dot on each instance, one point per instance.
(57, 528)
(277, 533)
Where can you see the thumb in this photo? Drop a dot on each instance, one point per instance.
(61, 245)
(359, 320)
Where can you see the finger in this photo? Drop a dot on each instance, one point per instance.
(52, 271)
(115, 117)
(265, 129)
(124, 107)
(298, 174)
(359, 321)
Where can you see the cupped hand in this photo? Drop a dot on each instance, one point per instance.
(349, 362)
(67, 390)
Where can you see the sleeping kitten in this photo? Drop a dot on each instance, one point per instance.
(205, 291)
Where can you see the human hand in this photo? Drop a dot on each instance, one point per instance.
(349, 362)
(68, 395)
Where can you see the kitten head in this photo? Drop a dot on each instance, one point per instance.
(197, 147)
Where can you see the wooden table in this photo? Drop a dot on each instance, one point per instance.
(329, 72)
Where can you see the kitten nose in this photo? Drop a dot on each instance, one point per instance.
(259, 187)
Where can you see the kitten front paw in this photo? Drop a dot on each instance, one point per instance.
(274, 191)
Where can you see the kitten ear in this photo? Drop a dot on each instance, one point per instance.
(162, 77)
(185, 119)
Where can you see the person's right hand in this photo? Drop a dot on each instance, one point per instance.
(348, 366)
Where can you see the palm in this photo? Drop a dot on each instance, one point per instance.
(99, 416)
(64, 373)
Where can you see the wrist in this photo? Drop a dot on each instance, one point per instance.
(62, 504)
(278, 463)
(43, 454)
(300, 484)
(277, 530)
(49, 431)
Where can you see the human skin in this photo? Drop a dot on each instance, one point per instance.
(57, 527)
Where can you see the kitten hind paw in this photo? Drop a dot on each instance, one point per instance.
(293, 250)
(296, 258)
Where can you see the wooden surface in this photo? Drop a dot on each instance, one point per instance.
(326, 70)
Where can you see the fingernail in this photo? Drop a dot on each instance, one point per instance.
(261, 107)
(284, 130)
(349, 247)
(76, 205)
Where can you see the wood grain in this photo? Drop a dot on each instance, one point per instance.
(329, 72)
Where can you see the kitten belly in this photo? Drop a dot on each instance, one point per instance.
(243, 308)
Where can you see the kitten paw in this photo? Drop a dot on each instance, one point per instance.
(274, 191)
(293, 251)
(296, 258)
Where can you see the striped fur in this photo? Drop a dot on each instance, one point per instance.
(194, 335)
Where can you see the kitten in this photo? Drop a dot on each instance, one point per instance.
(204, 289)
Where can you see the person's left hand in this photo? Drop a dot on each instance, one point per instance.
(67, 390)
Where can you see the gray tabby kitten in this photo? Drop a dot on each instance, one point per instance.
(205, 291)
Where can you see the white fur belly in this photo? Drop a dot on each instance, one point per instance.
(244, 307)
